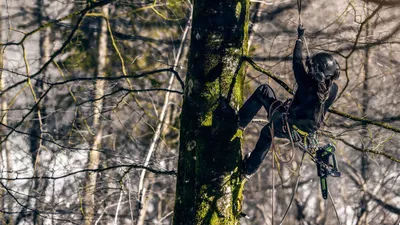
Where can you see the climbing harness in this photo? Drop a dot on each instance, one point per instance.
(320, 156)
(308, 142)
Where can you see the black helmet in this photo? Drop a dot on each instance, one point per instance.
(323, 66)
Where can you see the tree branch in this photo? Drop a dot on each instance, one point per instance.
(384, 2)
(129, 166)
(360, 149)
(389, 207)
(60, 50)
(176, 74)
(348, 116)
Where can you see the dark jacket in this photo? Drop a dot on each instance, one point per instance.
(307, 110)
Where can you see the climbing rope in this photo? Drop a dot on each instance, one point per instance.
(334, 208)
(310, 150)
(272, 110)
(299, 8)
(303, 145)
(294, 189)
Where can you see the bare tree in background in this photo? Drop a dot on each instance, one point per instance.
(89, 200)
(91, 143)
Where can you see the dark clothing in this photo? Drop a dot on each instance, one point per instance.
(306, 111)
(265, 97)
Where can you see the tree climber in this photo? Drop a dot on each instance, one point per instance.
(303, 115)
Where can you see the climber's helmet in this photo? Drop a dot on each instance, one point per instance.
(323, 66)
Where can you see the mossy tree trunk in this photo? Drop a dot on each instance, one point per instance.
(209, 188)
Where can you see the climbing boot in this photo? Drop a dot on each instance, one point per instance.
(244, 174)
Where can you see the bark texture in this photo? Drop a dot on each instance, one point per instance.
(209, 188)
(89, 204)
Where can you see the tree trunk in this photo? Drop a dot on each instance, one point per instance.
(97, 127)
(146, 201)
(6, 201)
(36, 134)
(209, 188)
(363, 213)
(2, 120)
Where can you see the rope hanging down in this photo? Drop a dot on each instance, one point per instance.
(299, 8)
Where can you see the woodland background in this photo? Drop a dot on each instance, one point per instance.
(91, 94)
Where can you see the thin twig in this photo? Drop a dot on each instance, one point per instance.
(163, 113)
(133, 166)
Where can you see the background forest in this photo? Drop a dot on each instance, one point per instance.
(91, 94)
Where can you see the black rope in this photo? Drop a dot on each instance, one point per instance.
(299, 9)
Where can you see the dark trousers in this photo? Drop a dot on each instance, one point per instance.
(265, 97)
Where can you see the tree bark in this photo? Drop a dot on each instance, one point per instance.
(2, 120)
(97, 127)
(146, 201)
(6, 201)
(363, 213)
(36, 132)
(209, 188)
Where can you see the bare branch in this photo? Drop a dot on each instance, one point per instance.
(176, 74)
(393, 158)
(129, 166)
(82, 14)
(268, 73)
(383, 203)
(384, 2)
(348, 116)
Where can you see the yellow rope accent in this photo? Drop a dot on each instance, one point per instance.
(302, 133)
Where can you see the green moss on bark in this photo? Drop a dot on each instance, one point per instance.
(209, 189)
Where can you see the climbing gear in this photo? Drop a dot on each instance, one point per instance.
(323, 155)
(320, 156)
(310, 143)
(300, 24)
(295, 188)
(299, 10)
(309, 139)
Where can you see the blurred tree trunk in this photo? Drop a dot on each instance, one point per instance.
(36, 132)
(142, 213)
(363, 213)
(209, 188)
(97, 127)
(6, 202)
(3, 120)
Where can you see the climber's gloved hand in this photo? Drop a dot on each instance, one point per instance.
(300, 31)
(238, 134)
